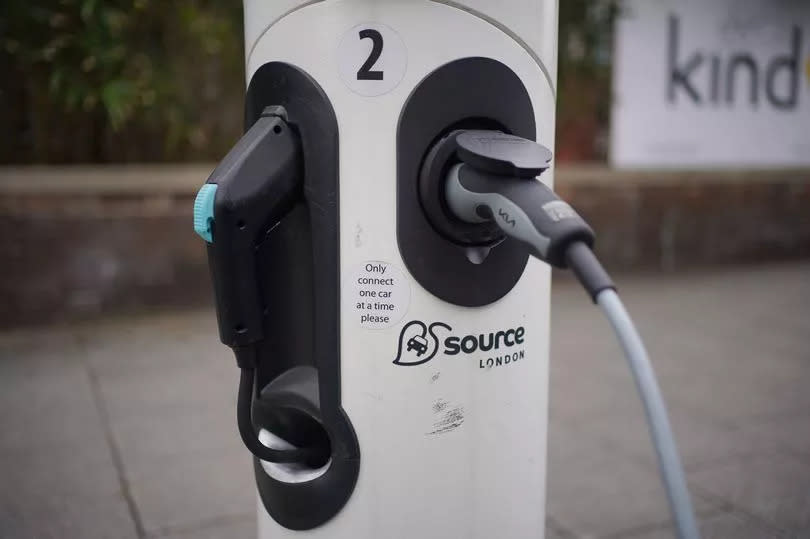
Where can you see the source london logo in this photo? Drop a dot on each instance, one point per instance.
(419, 343)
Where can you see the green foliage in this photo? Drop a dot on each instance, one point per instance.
(586, 34)
(156, 80)
(147, 65)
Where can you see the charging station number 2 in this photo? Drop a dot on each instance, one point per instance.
(372, 59)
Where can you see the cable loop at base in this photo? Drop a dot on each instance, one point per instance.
(244, 407)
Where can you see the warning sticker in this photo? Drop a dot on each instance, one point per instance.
(376, 295)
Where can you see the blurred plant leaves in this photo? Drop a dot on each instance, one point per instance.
(126, 65)
(150, 80)
(584, 87)
(118, 97)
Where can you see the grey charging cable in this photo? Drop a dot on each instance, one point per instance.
(590, 273)
(496, 182)
(655, 409)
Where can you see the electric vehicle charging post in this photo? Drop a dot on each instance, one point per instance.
(377, 243)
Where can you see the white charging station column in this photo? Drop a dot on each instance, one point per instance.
(453, 446)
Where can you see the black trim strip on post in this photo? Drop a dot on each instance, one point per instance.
(301, 286)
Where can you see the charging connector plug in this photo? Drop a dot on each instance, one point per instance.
(497, 182)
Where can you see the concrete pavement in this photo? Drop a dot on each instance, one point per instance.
(91, 416)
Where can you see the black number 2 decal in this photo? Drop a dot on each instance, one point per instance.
(365, 72)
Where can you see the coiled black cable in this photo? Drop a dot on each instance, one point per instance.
(244, 407)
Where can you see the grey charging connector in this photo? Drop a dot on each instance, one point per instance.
(496, 182)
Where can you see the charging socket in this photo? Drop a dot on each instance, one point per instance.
(464, 264)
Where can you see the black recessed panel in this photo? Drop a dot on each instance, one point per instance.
(470, 93)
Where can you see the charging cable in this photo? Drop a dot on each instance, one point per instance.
(244, 420)
(497, 182)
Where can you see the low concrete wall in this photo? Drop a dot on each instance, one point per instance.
(680, 219)
(82, 241)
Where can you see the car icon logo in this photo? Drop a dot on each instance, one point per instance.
(418, 344)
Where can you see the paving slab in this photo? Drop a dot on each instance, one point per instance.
(788, 433)
(595, 491)
(556, 533)
(772, 487)
(46, 397)
(72, 491)
(225, 528)
(181, 490)
(50, 517)
(701, 439)
(730, 525)
(58, 474)
(125, 427)
(183, 430)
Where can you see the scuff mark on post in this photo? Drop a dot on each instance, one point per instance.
(358, 236)
(374, 396)
(450, 417)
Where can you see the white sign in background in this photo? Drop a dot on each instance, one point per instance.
(712, 83)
